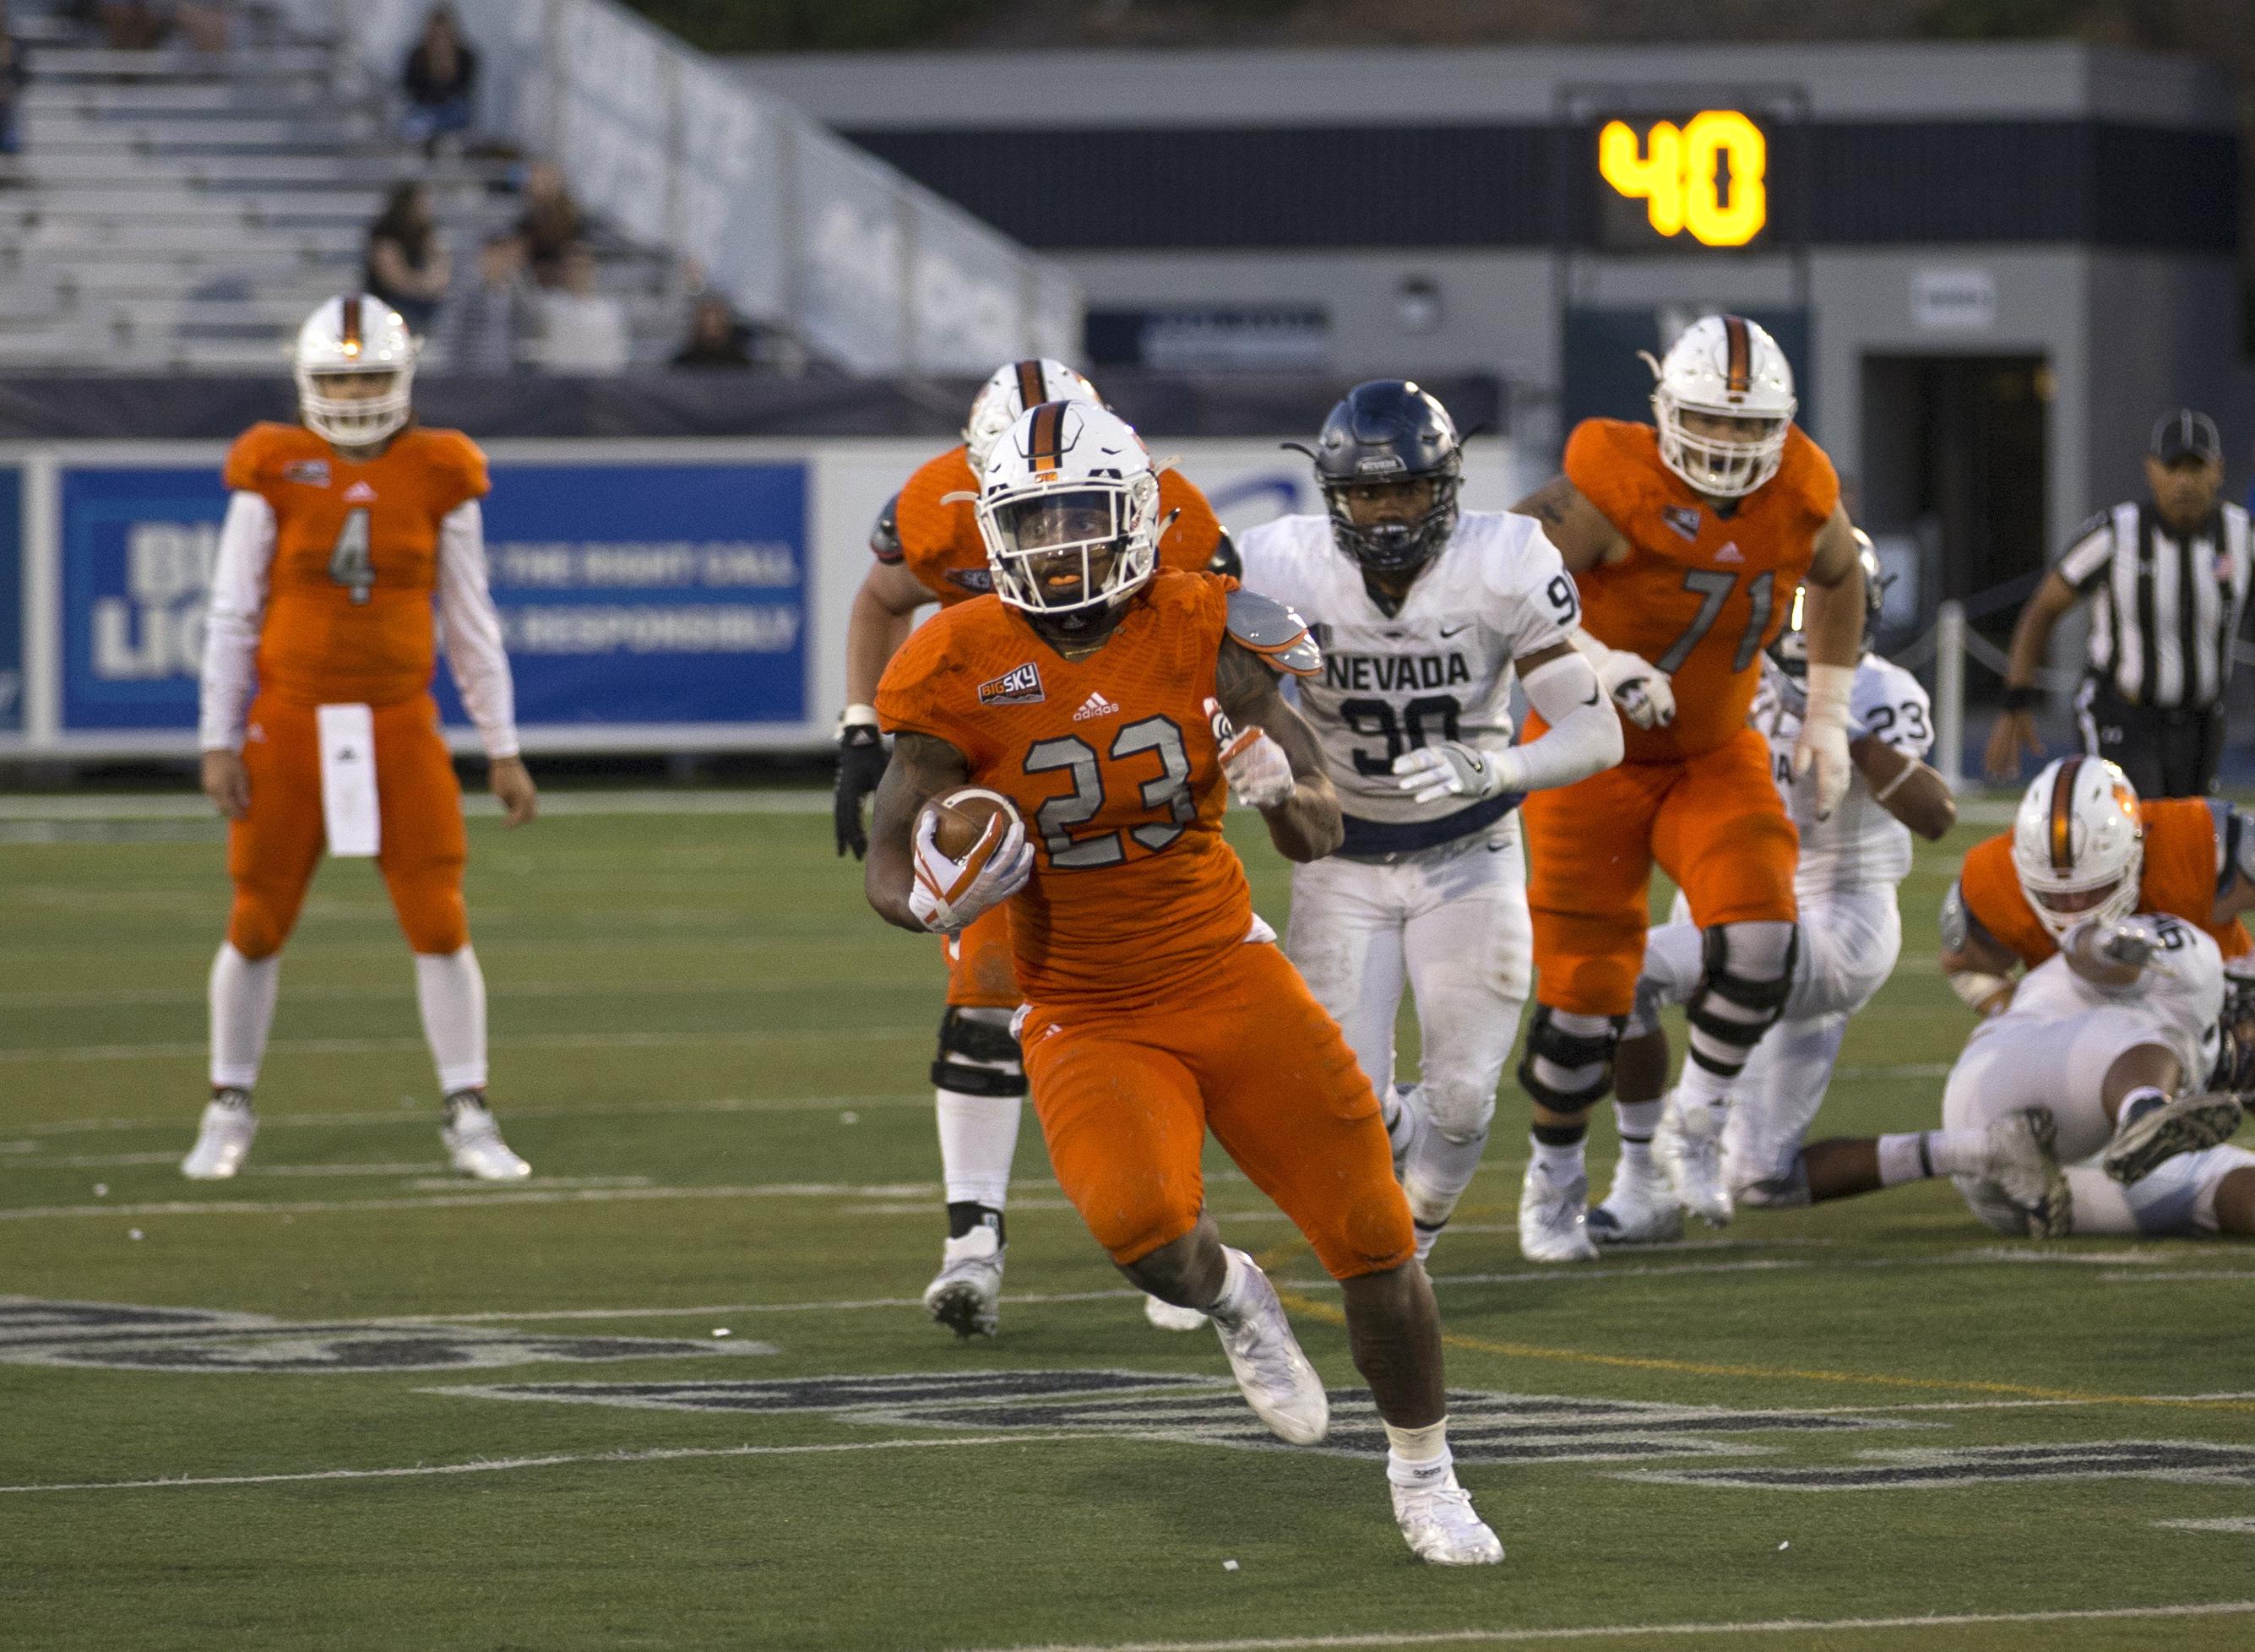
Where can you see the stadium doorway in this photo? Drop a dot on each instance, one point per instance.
(1954, 482)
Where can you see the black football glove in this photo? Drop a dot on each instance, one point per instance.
(861, 766)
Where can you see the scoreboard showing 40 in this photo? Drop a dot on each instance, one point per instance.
(1706, 178)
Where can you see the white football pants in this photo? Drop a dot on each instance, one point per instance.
(1850, 939)
(2061, 1065)
(1451, 925)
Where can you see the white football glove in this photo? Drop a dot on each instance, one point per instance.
(1823, 742)
(949, 893)
(1453, 769)
(2131, 942)
(1639, 690)
(1259, 771)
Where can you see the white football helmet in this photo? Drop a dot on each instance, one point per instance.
(2079, 844)
(1012, 388)
(356, 334)
(1068, 477)
(1728, 365)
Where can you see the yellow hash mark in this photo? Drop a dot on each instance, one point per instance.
(1330, 1314)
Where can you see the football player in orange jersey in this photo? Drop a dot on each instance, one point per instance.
(1117, 705)
(341, 535)
(2140, 1074)
(928, 550)
(1687, 538)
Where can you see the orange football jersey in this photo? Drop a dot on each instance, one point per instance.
(1699, 595)
(1112, 760)
(940, 543)
(349, 595)
(2179, 879)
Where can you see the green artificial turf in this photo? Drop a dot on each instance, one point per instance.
(714, 1057)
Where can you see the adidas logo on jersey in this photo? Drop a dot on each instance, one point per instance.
(1731, 553)
(1095, 706)
(1021, 686)
(359, 494)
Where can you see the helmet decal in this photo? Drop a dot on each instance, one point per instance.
(1029, 383)
(351, 320)
(1737, 374)
(2062, 817)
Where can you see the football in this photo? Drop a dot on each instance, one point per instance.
(962, 815)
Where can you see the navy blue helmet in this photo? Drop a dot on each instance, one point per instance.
(1388, 430)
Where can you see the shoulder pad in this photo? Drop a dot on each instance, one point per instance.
(1273, 631)
(885, 533)
(1224, 559)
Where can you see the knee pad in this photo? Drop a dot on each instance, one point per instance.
(977, 1054)
(1459, 1109)
(432, 916)
(1749, 968)
(260, 921)
(1569, 1063)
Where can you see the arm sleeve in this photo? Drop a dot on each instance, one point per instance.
(1585, 732)
(2086, 561)
(470, 631)
(238, 603)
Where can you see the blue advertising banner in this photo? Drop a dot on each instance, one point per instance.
(12, 600)
(630, 595)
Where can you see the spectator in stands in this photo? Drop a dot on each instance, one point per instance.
(203, 25)
(550, 223)
(716, 338)
(488, 321)
(131, 25)
(440, 80)
(583, 329)
(407, 267)
(13, 72)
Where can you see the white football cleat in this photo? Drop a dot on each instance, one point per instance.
(1553, 1217)
(1639, 1209)
(2023, 1166)
(966, 1294)
(1441, 1526)
(473, 1144)
(1690, 1148)
(1278, 1383)
(1401, 1124)
(2189, 1124)
(224, 1139)
(1165, 1316)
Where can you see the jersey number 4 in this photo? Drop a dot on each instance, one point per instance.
(1169, 790)
(1714, 587)
(349, 563)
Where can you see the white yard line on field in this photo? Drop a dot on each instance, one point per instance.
(320, 992)
(1637, 1631)
(445, 1201)
(178, 1050)
(404, 1115)
(2241, 1523)
(502, 1465)
(188, 805)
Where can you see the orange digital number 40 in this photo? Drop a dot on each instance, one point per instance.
(1678, 173)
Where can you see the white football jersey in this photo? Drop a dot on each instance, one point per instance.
(1441, 669)
(1861, 844)
(2180, 992)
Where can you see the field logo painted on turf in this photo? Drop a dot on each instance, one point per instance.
(1483, 1427)
(121, 1336)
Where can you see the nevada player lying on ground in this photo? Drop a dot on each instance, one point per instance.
(1423, 613)
(928, 549)
(341, 534)
(1686, 538)
(1850, 934)
(2081, 846)
(1117, 706)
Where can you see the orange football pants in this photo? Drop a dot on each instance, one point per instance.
(981, 972)
(1127, 1095)
(271, 852)
(1714, 822)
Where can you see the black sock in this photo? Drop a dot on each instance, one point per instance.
(231, 1095)
(1560, 1135)
(465, 1099)
(964, 1214)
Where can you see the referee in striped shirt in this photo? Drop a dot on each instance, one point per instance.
(2168, 579)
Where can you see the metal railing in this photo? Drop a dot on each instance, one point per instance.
(799, 227)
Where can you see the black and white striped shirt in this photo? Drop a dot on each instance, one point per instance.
(2166, 609)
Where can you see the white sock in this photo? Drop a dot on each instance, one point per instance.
(1420, 1457)
(1636, 1120)
(977, 1140)
(450, 990)
(241, 993)
(1559, 1163)
(1697, 1087)
(1917, 1155)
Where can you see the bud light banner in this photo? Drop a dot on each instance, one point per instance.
(638, 601)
